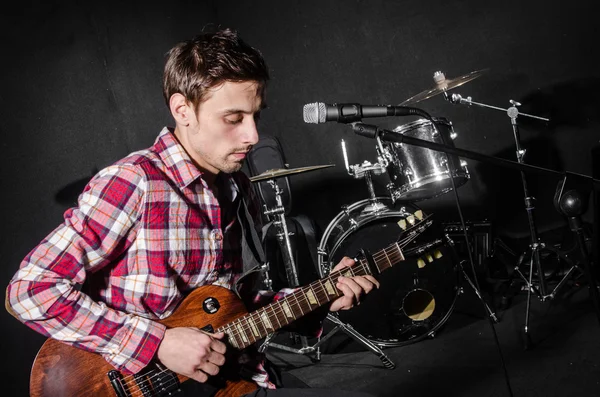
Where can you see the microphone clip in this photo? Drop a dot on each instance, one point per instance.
(366, 130)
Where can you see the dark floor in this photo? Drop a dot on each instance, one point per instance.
(463, 359)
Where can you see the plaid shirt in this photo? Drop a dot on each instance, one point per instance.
(147, 230)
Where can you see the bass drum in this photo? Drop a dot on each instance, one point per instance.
(416, 297)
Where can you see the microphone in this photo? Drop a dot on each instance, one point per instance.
(318, 112)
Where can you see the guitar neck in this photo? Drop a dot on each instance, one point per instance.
(251, 327)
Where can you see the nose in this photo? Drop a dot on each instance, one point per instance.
(251, 132)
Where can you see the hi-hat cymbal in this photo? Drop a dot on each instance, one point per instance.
(443, 84)
(278, 173)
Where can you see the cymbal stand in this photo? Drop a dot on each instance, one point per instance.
(292, 277)
(283, 239)
(536, 245)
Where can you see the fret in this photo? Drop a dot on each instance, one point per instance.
(387, 257)
(272, 307)
(287, 310)
(310, 295)
(242, 331)
(321, 293)
(399, 251)
(231, 336)
(318, 293)
(266, 321)
(253, 327)
(329, 288)
(298, 303)
(262, 330)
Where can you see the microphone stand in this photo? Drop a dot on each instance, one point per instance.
(570, 203)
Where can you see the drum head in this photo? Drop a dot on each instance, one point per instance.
(416, 296)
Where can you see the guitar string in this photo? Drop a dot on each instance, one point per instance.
(174, 380)
(173, 376)
(319, 289)
(234, 330)
(130, 380)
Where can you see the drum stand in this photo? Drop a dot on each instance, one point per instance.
(292, 277)
(536, 245)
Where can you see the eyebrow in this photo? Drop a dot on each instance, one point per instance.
(235, 111)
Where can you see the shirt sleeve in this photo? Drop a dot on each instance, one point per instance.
(45, 293)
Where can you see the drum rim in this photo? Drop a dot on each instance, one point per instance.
(438, 120)
(345, 212)
(460, 179)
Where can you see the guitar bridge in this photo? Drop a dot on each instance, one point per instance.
(117, 384)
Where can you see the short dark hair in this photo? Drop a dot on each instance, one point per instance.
(194, 66)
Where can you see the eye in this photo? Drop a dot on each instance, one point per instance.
(236, 120)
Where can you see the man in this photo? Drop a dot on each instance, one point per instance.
(161, 222)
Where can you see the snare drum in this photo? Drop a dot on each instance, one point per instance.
(418, 173)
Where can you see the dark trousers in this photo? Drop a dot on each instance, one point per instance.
(192, 388)
(305, 392)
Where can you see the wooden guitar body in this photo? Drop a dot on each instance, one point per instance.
(61, 370)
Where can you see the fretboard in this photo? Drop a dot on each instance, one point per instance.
(254, 326)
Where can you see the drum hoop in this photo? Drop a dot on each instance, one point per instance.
(363, 221)
(417, 183)
(421, 122)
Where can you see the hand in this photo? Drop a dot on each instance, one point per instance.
(352, 287)
(192, 352)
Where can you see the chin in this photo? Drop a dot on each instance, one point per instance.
(231, 168)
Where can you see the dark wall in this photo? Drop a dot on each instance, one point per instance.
(81, 88)
(383, 52)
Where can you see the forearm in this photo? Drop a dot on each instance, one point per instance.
(55, 308)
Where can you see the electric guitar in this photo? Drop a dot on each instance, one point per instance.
(61, 370)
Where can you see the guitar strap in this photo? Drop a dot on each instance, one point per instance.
(253, 255)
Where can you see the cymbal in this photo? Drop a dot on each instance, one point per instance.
(443, 84)
(278, 173)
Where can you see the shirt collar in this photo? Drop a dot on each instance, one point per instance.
(180, 166)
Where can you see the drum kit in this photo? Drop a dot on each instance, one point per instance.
(415, 300)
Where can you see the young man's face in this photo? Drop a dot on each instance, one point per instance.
(224, 129)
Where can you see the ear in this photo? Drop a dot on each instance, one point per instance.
(181, 109)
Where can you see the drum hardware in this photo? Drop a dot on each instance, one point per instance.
(475, 288)
(536, 246)
(480, 237)
(366, 170)
(278, 212)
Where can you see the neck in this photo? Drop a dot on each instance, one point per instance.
(208, 176)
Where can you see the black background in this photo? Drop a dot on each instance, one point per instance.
(80, 88)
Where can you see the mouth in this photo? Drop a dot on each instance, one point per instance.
(240, 155)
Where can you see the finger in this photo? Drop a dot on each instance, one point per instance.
(373, 280)
(350, 288)
(209, 368)
(216, 358)
(199, 376)
(365, 284)
(344, 302)
(344, 262)
(218, 335)
(218, 346)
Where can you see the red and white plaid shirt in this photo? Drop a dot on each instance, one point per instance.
(147, 230)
